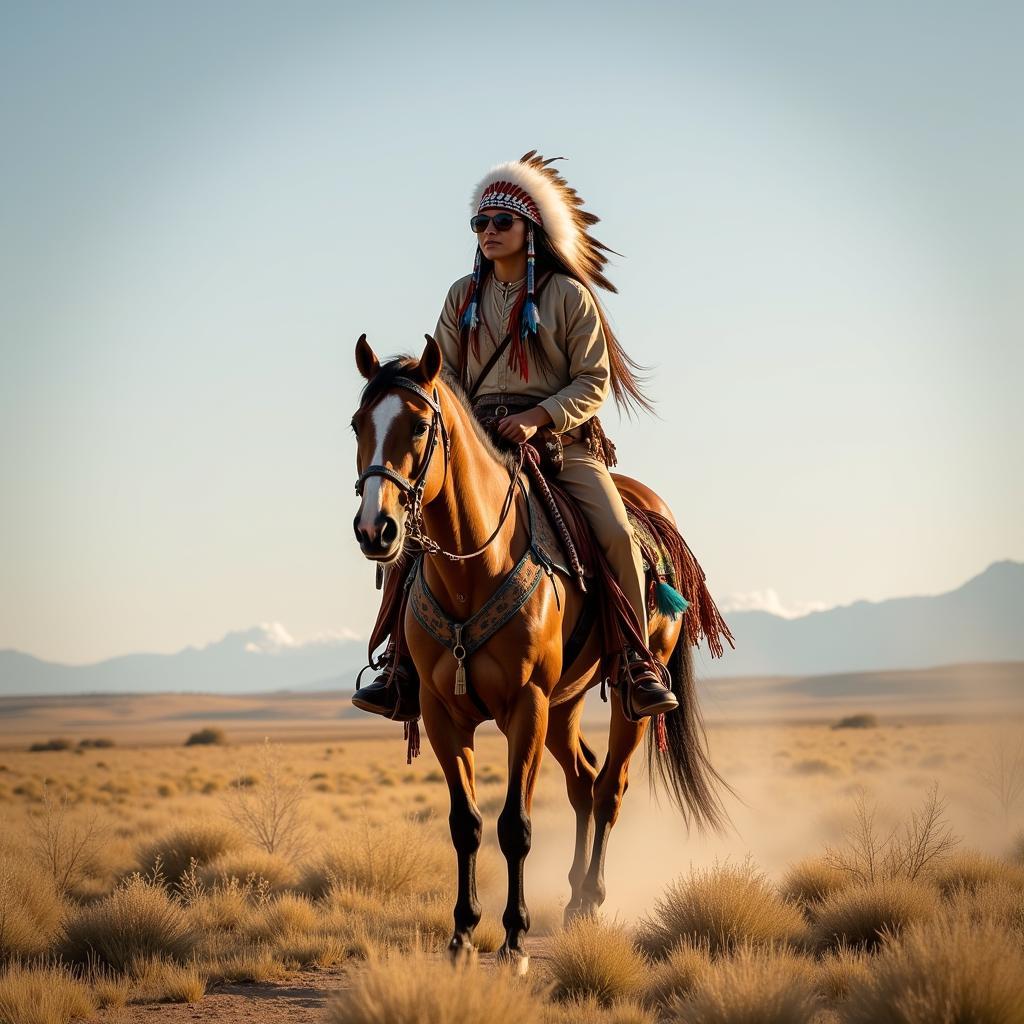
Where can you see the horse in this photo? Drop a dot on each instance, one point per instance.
(462, 505)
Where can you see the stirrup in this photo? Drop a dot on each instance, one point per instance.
(645, 687)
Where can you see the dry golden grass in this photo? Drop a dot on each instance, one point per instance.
(943, 972)
(109, 989)
(43, 995)
(724, 906)
(400, 857)
(597, 958)
(1000, 902)
(418, 990)
(285, 914)
(30, 908)
(969, 869)
(370, 921)
(811, 880)
(381, 872)
(138, 920)
(755, 985)
(589, 1011)
(200, 842)
(840, 969)
(252, 866)
(310, 949)
(860, 915)
(673, 978)
(163, 981)
(248, 962)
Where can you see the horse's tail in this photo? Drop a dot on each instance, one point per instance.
(684, 769)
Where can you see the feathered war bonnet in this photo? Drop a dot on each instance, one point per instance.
(536, 191)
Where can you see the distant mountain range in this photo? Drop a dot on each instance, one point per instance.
(980, 621)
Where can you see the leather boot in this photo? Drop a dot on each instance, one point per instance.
(401, 700)
(644, 686)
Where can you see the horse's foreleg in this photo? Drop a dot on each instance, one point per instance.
(612, 781)
(579, 763)
(525, 729)
(453, 746)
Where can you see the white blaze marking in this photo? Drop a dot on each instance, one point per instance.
(382, 417)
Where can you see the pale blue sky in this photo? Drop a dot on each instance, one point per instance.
(203, 205)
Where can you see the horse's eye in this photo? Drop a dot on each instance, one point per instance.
(421, 428)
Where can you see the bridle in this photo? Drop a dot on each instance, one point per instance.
(413, 489)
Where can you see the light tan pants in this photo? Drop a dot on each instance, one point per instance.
(587, 479)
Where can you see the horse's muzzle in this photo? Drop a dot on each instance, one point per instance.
(382, 540)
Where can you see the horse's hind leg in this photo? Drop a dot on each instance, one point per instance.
(612, 781)
(453, 746)
(525, 727)
(579, 763)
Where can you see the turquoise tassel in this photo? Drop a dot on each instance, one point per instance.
(670, 601)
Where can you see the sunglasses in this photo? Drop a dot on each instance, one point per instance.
(502, 222)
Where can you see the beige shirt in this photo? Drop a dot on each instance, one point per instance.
(579, 379)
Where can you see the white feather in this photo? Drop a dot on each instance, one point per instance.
(556, 217)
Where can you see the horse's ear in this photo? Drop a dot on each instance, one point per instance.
(366, 359)
(430, 362)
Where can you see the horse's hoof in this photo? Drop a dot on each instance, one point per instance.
(514, 960)
(461, 952)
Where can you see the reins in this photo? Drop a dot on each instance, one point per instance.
(414, 488)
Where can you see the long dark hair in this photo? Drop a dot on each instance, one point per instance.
(625, 372)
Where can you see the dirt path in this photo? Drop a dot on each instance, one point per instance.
(301, 999)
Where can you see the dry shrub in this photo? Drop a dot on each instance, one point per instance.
(399, 857)
(416, 989)
(859, 915)
(816, 766)
(593, 957)
(724, 906)
(862, 721)
(286, 913)
(46, 995)
(940, 972)
(137, 920)
(269, 808)
(969, 869)
(30, 909)
(673, 978)
(589, 1011)
(754, 986)
(908, 851)
(252, 866)
(172, 854)
(811, 880)
(840, 969)
(163, 981)
(206, 737)
(66, 849)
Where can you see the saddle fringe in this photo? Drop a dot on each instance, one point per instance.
(703, 619)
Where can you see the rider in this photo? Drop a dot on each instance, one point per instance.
(564, 354)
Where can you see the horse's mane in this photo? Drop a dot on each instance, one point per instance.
(400, 366)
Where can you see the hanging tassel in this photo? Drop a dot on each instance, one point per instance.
(670, 601)
(460, 658)
(531, 314)
(660, 734)
(412, 736)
